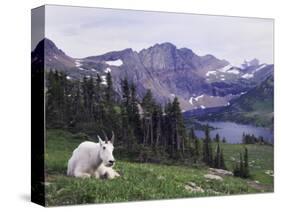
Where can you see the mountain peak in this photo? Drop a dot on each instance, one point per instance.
(45, 43)
(253, 62)
(166, 44)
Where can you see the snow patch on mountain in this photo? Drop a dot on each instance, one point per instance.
(114, 62)
(103, 80)
(225, 68)
(199, 97)
(210, 72)
(247, 76)
(78, 63)
(233, 71)
(259, 68)
(107, 70)
(190, 100)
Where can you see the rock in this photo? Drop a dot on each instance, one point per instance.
(269, 172)
(220, 172)
(213, 191)
(192, 184)
(193, 188)
(46, 183)
(161, 177)
(213, 177)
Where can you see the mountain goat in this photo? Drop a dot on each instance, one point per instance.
(93, 159)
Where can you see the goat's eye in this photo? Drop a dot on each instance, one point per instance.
(104, 147)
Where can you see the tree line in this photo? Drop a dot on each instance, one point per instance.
(252, 139)
(145, 130)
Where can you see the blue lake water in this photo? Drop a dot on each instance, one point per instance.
(233, 132)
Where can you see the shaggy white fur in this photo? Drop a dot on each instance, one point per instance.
(92, 159)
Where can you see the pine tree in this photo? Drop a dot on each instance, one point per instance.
(217, 138)
(207, 148)
(217, 160)
(109, 89)
(148, 106)
(246, 172)
(222, 163)
(196, 150)
(126, 93)
(134, 115)
(241, 167)
(180, 131)
(243, 170)
(244, 138)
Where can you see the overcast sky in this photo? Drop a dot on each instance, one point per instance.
(82, 32)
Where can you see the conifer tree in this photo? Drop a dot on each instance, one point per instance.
(180, 131)
(246, 172)
(217, 159)
(222, 163)
(241, 167)
(217, 138)
(207, 148)
(196, 149)
(109, 93)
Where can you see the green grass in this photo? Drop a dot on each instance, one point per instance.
(260, 160)
(141, 181)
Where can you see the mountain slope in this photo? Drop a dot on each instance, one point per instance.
(255, 107)
(53, 57)
(197, 81)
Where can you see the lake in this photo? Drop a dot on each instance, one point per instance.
(233, 132)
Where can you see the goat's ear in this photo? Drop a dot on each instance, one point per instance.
(100, 140)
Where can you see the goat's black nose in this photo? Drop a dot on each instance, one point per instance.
(111, 161)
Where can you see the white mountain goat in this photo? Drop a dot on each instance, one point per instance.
(93, 159)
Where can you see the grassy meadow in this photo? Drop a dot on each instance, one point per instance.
(143, 181)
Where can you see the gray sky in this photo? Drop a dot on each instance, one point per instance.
(82, 32)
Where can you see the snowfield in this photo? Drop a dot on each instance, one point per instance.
(114, 62)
